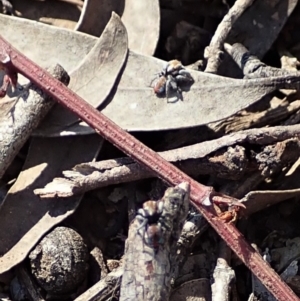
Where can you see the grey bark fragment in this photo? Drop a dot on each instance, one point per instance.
(149, 256)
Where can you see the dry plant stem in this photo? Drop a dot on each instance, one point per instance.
(213, 51)
(223, 275)
(24, 115)
(148, 158)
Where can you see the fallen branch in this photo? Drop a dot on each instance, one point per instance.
(22, 117)
(88, 176)
(213, 52)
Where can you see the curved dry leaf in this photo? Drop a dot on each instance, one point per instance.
(24, 217)
(96, 14)
(95, 77)
(135, 107)
(209, 99)
(46, 45)
(141, 19)
(22, 213)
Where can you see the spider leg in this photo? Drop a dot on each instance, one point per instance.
(172, 88)
(143, 222)
(4, 87)
(184, 76)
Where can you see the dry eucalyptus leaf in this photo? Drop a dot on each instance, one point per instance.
(141, 19)
(95, 15)
(46, 45)
(27, 218)
(135, 107)
(95, 77)
(24, 217)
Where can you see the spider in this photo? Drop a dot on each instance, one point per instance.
(150, 227)
(170, 78)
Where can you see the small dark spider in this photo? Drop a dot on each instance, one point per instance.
(150, 213)
(170, 79)
(150, 228)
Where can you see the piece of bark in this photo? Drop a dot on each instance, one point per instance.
(150, 249)
(22, 115)
(271, 116)
(271, 161)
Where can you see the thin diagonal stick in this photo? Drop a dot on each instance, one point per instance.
(151, 160)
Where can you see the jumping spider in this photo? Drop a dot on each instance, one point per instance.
(150, 227)
(170, 78)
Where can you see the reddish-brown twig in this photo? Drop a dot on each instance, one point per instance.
(200, 194)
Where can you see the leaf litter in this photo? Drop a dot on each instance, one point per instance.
(128, 99)
(42, 155)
